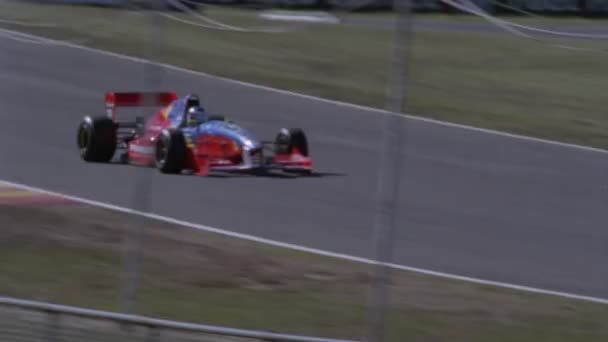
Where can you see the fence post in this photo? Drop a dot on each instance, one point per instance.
(389, 181)
(53, 326)
(153, 334)
(141, 198)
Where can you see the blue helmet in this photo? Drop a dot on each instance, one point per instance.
(192, 100)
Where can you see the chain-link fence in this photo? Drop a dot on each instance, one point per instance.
(461, 196)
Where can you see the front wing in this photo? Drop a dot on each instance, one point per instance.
(256, 160)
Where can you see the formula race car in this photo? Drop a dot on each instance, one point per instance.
(182, 136)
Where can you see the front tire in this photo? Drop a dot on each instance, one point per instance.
(97, 139)
(170, 154)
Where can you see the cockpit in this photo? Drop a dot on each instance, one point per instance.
(194, 113)
(195, 116)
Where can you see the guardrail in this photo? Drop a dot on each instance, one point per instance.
(28, 321)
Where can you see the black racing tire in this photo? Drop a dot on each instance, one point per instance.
(96, 139)
(289, 138)
(170, 152)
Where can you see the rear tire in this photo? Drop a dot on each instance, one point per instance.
(96, 139)
(289, 139)
(170, 154)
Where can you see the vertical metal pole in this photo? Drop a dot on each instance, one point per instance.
(141, 197)
(389, 180)
(53, 326)
(153, 334)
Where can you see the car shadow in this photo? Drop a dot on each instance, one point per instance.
(274, 174)
(241, 174)
(326, 174)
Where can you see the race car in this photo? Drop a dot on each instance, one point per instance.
(183, 136)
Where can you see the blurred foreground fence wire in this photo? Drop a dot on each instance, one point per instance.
(573, 7)
(29, 321)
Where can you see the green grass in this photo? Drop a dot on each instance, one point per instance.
(73, 255)
(491, 80)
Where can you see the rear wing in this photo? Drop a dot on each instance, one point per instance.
(137, 99)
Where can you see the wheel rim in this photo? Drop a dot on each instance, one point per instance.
(161, 152)
(83, 139)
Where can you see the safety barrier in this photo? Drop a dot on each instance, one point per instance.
(32, 321)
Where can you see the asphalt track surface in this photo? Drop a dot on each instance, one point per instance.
(473, 203)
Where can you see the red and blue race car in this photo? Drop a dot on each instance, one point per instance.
(183, 136)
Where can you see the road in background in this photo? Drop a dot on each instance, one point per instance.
(422, 23)
(474, 203)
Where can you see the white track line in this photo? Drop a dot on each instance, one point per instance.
(18, 38)
(300, 248)
(25, 23)
(366, 109)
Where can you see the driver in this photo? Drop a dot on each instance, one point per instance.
(195, 116)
